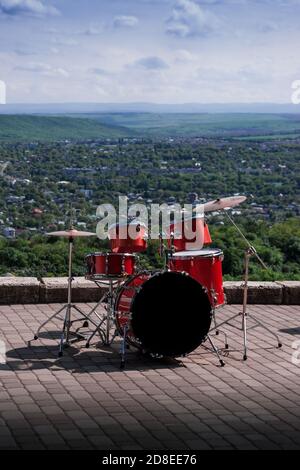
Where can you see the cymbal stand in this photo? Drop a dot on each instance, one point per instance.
(249, 252)
(168, 252)
(65, 339)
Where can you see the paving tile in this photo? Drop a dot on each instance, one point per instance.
(83, 400)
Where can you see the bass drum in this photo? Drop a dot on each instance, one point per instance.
(165, 314)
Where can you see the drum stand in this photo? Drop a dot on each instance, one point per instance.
(66, 333)
(104, 326)
(216, 351)
(249, 252)
(108, 319)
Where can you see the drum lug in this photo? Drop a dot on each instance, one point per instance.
(106, 265)
(214, 296)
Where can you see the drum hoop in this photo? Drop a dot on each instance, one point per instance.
(109, 253)
(105, 277)
(217, 254)
(125, 286)
(118, 314)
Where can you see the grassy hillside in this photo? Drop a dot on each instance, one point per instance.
(44, 128)
(208, 125)
(114, 125)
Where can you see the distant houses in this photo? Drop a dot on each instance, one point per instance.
(9, 232)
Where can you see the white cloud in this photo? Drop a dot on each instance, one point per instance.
(27, 8)
(182, 55)
(151, 63)
(189, 19)
(64, 41)
(99, 71)
(124, 21)
(2, 101)
(43, 69)
(93, 30)
(244, 2)
(267, 27)
(24, 52)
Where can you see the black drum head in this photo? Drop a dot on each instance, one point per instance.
(171, 314)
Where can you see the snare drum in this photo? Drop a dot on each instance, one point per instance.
(110, 265)
(206, 267)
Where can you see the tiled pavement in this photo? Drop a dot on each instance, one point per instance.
(84, 401)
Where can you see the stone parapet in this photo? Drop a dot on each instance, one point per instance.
(19, 290)
(54, 290)
(270, 293)
(29, 290)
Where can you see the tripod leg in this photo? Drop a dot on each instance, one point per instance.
(225, 338)
(245, 300)
(62, 338)
(279, 343)
(109, 312)
(123, 348)
(83, 314)
(216, 328)
(114, 336)
(222, 363)
(244, 325)
(47, 321)
(97, 330)
(68, 324)
(215, 321)
(107, 327)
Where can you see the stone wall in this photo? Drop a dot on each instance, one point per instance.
(29, 290)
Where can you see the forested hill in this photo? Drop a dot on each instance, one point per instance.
(27, 128)
(34, 127)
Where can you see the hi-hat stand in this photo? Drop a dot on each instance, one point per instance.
(249, 252)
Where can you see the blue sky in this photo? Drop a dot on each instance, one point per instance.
(164, 51)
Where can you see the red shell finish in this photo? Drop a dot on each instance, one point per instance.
(206, 267)
(159, 318)
(183, 243)
(123, 303)
(110, 264)
(128, 244)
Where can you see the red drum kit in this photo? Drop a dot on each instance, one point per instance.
(128, 238)
(205, 266)
(110, 265)
(178, 240)
(165, 313)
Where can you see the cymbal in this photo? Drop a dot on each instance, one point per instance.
(72, 233)
(223, 203)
